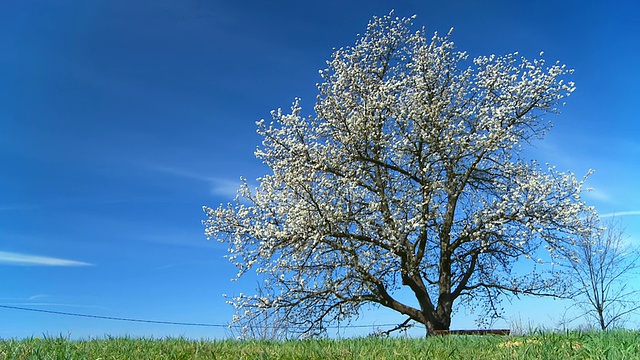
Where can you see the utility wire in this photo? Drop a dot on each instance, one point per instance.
(110, 317)
(162, 322)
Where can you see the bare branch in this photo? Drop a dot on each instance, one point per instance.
(603, 263)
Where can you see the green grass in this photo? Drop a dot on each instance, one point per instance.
(570, 345)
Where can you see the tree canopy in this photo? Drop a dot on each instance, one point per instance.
(409, 174)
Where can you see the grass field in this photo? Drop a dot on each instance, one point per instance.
(570, 345)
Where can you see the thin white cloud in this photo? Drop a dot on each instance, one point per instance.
(180, 173)
(11, 258)
(54, 304)
(219, 186)
(172, 237)
(597, 195)
(226, 188)
(622, 213)
(15, 207)
(30, 301)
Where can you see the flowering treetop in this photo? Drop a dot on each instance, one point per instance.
(409, 174)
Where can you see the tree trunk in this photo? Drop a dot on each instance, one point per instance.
(603, 324)
(434, 326)
(442, 319)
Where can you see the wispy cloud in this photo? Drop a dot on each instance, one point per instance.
(16, 207)
(11, 258)
(226, 188)
(36, 300)
(54, 304)
(180, 172)
(219, 186)
(179, 238)
(597, 195)
(622, 213)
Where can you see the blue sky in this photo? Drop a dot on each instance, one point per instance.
(120, 119)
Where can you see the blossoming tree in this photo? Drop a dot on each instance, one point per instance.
(410, 175)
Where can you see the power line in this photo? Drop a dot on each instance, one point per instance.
(163, 322)
(111, 317)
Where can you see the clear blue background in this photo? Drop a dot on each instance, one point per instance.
(120, 119)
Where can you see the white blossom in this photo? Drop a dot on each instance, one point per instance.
(409, 173)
